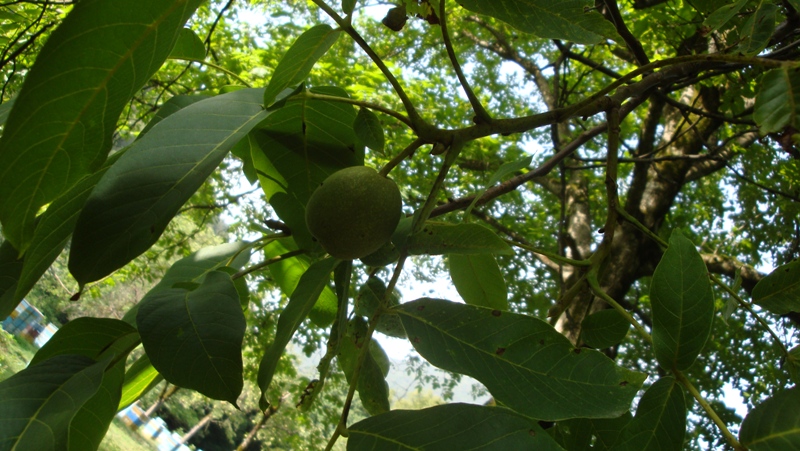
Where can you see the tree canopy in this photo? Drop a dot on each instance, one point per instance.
(611, 187)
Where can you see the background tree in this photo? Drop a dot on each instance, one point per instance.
(594, 165)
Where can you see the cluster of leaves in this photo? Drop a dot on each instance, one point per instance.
(61, 184)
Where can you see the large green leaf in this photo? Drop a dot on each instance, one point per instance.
(62, 122)
(300, 145)
(369, 130)
(95, 338)
(526, 364)
(188, 46)
(571, 20)
(194, 338)
(39, 402)
(773, 425)
(288, 272)
(139, 379)
(604, 329)
(777, 100)
(478, 280)
(757, 31)
(90, 424)
(437, 238)
(171, 106)
(723, 14)
(10, 270)
(303, 298)
(449, 427)
(779, 292)
(608, 430)
(683, 304)
(5, 108)
(660, 421)
(372, 387)
(135, 200)
(295, 66)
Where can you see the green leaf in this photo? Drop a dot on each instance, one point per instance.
(608, 430)
(758, 29)
(573, 434)
(62, 124)
(683, 304)
(288, 273)
(368, 129)
(372, 387)
(295, 66)
(348, 6)
(526, 364)
(243, 150)
(793, 364)
(300, 145)
(40, 401)
(135, 200)
(774, 424)
(171, 106)
(189, 46)
(722, 15)
(10, 270)
(504, 170)
(572, 20)
(139, 379)
(478, 280)
(303, 298)
(54, 227)
(90, 424)
(660, 421)
(370, 296)
(604, 329)
(194, 338)
(96, 338)
(449, 427)
(779, 292)
(777, 100)
(439, 238)
(5, 108)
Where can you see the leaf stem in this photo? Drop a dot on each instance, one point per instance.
(219, 68)
(591, 278)
(550, 255)
(747, 306)
(481, 115)
(709, 411)
(268, 262)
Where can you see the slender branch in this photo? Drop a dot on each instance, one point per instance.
(373, 106)
(481, 115)
(761, 185)
(268, 262)
(594, 284)
(219, 68)
(551, 255)
(709, 411)
(630, 40)
(405, 153)
(348, 28)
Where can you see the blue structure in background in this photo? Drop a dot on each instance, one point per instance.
(28, 322)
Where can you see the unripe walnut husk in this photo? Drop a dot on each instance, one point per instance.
(354, 212)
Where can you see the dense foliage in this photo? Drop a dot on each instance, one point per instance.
(610, 187)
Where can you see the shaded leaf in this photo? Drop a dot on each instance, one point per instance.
(136, 199)
(348, 6)
(774, 424)
(83, 77)
(758, 29)
(370, 296)
(194, 338)
(478, 280)
(10, 270)
(439, 238)
(449, 427)
(793, 364)
(683, 304)
(243, 150)
(40, 401)
(777, 100)
(779, 292)
(369, 130)
(722, 15)
(298, 61)
(572, 20)
(526, 364)
(660, 421)
(573, 434)
(504, 170)
(303, 298)
(608, 430)
(171, 106)
(288, 273)
(372, 387)
(5, 108)
(139, 379)
(604, 329)
(95, 338)
(300, 145)
(89, 426)
(189, 46)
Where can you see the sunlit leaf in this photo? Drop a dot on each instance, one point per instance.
(777, 100)
(449, 427)
(571, 20)
(194, 338)
(62, 123)
(189, 46)
(439, 238)
(524, 363)
(140, 377)
(683, 304)
(773, 425)
(136, 199)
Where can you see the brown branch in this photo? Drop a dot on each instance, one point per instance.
(727, 266)
(613, 14)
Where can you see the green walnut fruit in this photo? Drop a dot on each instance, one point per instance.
(354, 212)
